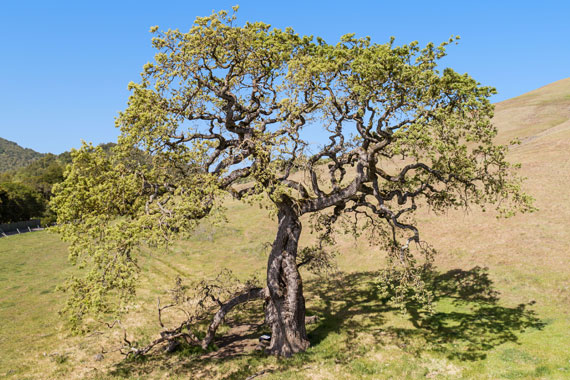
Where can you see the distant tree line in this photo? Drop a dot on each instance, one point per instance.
(13, 156)
(25, 192)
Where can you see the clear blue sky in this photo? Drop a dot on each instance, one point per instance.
(65, 65)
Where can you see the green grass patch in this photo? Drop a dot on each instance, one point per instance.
(484, 323)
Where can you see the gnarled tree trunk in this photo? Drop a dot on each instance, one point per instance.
(285, 306)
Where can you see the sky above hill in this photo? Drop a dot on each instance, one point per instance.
(65, 65)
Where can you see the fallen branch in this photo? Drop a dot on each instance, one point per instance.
(183, 331)
(252, 294)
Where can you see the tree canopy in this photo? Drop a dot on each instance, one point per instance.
(233, 110)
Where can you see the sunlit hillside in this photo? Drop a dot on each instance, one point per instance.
(538, 113)
(13, 156)
(502, 288)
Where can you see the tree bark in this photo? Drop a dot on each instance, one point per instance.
(285, 306)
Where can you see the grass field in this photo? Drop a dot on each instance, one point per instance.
(502, 287)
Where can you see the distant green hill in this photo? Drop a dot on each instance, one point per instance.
(13, 156)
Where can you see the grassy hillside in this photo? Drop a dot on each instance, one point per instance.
(502, 286)
(543, 111)
(13, 156)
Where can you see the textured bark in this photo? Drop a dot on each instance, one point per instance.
(285, 307)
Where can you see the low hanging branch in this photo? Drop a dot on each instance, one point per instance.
(201, 311)
(252, 294)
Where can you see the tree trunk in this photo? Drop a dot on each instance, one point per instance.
(285, 307)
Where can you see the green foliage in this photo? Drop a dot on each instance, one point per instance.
(40, 175)
(13, 156)
(102, 211)
(19, 202)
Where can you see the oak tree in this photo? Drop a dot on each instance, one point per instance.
(226, 110)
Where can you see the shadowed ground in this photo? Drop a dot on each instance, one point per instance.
(467, 322)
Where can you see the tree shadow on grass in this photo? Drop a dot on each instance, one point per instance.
(467, 322)
(233, 347)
